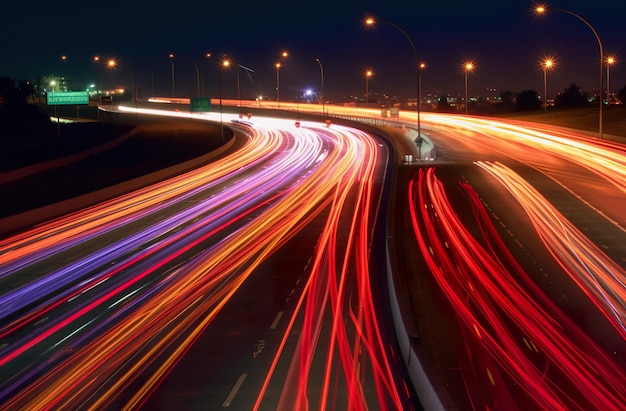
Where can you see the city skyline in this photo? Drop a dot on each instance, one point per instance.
(506, 45)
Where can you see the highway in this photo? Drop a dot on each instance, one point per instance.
(250, 283)
(99, 307)
(521, 231)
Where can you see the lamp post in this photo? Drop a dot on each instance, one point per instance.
(195, 65)
(546, 64)
(368, 74)
(469, 66)
(225, 64)
(322, 74)
(370, 22)
(200, 77)
(171, 56)
(277, 85)
(544, 9)
(278, 66)
(112, 64)
(96, 60)
(610, 60)
(421, 67)
(248, 70)
(63, 80)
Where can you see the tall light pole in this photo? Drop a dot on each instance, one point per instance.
(421, 67)
(277, 85)
(278, 66)
(368, 74)
(248, 71)
(112, 64)
(225, 64)
(96, 60)
(546, 64)
(171, 56)
(370, 22)
(322, 74)
(195, 65)
(469, 66)
(544, 9)
(610, 60)
(63, 81)
(208, 56)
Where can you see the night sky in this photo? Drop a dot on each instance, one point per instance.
(504, 38)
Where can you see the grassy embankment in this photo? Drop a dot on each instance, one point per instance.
(586, 119)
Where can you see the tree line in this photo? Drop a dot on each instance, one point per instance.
(528, 100)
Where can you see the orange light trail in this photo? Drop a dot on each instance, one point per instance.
(147, 272)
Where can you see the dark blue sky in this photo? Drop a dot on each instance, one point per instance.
(504, 38)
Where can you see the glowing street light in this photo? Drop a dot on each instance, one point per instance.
(224, 65)
(370, 22)
(322, 74)
(546, 64)
(469, 66)
(278, 66)
(542, 9)
(368, 74)
(610, 60)
(421, 67)
(112, 65)
(96, 59)
(171, 57)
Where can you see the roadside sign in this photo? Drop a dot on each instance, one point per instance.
(106, 100)
(200, 104)
(67, 97)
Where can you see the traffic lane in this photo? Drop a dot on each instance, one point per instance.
(592, 170)
(484, 381)
(345, 163)
(155, 198)
(283, 388)
(241, 339)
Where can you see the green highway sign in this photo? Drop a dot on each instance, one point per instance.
(200, 104)
(67, 97)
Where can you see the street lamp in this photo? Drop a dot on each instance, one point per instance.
(62, 81)
(469, 66)
(199, 77)
(610, 60)
(368, 74)
(421, 67)
(208, 56)
(112, 64)
(248, 71)
(370, 22)
(546, 64)
(278, 65)
(171, 56)
(543, 9)
(96, 60)
(225, 64)
(322, 74)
